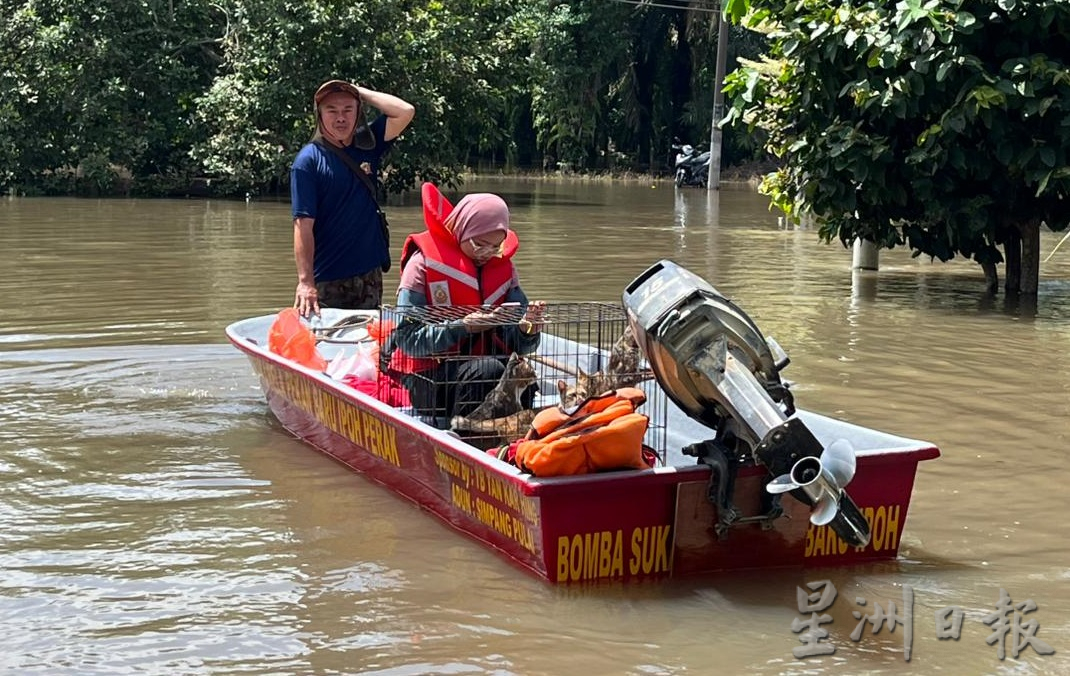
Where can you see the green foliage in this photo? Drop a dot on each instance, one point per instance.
(444, 58)
(572, 65)
(88, 88)
(144, 96)
(940, 124)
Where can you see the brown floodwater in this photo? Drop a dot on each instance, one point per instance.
(156, 519)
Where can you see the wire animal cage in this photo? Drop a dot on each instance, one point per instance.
(582, 350)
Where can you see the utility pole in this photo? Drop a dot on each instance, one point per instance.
(713, 181)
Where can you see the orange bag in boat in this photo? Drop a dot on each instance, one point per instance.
(604, 433)
(290, 338)
(380, 330)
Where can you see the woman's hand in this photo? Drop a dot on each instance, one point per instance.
(479, 321)
(532, 321)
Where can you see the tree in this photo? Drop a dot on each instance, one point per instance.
(444, 58)
(163, 93)
(939, 124)
(575, 51)
(91, 88)
(612, 83)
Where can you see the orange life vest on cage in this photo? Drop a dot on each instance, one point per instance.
(604, 433)
(450, 277)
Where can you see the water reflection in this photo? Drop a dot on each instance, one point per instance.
(863, 286)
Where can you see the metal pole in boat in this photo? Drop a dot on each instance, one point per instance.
(713, 180)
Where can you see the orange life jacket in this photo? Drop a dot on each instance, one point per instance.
(289, 338)
(604, 433)
(451, 278)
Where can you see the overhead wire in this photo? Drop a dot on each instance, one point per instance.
(690, 5)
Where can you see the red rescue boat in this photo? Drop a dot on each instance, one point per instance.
(745, 480)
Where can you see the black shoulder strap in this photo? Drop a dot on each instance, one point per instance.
(361, 174)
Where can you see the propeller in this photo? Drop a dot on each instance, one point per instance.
(821, 479)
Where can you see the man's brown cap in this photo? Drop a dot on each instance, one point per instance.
(332, 86)
(362, 135)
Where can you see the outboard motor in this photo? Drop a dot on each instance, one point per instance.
(714, 363)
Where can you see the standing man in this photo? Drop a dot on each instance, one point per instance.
(339, 246)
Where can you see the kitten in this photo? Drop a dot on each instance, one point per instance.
(516, 425)
(622, 370)
(575, 394)
(625, 357)
(509, 427)
(504, 399)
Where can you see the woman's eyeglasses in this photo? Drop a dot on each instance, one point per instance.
(482, 249)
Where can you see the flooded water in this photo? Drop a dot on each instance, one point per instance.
(157, 520)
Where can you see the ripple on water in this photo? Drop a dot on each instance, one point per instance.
(133, 536)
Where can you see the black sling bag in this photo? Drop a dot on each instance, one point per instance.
(366, 180)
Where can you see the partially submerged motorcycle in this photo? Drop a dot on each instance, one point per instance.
(692, 167)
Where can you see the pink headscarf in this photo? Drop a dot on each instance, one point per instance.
(475, 215)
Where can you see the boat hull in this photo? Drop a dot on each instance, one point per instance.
(623, 525)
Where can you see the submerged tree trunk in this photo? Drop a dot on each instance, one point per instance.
(1012, 254)
(991, 277)
(1030, 273)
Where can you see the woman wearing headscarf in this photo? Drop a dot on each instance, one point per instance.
(461, 309)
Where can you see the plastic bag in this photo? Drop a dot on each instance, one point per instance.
(289, 337)
(367, 366)
(363, 364)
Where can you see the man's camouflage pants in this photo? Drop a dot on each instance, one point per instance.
(363, 292)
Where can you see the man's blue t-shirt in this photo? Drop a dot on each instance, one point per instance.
(348, 239)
